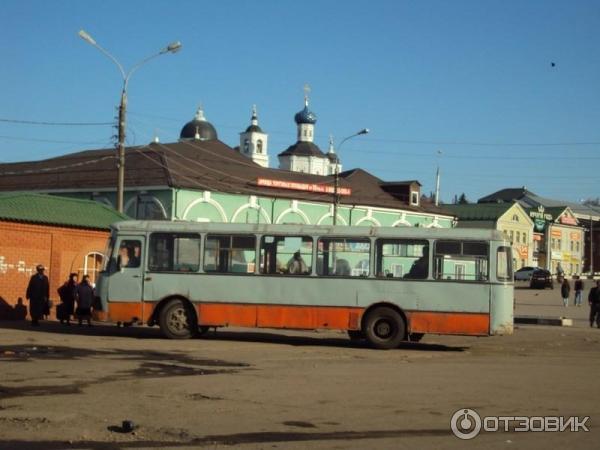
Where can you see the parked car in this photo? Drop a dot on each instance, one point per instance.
(541, 279)
(524, 273)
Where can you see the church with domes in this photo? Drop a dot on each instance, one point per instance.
(303, 156)
(200, 178)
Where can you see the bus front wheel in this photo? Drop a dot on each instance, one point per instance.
(384, 328)
(177, 321)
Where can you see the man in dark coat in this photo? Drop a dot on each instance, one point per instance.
(594, 301)
(38, 294)
(85, 299)
(68, 295)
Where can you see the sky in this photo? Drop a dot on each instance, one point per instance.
(468, 86)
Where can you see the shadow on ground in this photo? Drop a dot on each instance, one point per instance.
(229, 440)
(273, 337)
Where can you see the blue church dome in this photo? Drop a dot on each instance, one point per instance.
(305, 116)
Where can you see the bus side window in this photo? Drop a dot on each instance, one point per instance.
(402, 259)
(174, 252)
(286, 255)
(461, 260)
(229, 254)
(340, 257)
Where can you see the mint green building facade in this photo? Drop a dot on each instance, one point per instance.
(207, 206)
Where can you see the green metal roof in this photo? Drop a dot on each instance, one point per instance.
(479, 211)
(55, 210)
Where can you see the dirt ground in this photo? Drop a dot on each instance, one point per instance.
(71, 388)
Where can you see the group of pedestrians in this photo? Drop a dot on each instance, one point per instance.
(76, 298)
(565, 291)
(593, 297)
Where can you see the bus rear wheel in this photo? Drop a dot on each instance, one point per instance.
(384, 328)
(177, 321)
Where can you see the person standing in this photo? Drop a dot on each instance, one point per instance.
(85, 298)
(68, 295)
(578, 287)
(594, 301)
(565, 290)
(560, 273)
(38, 294)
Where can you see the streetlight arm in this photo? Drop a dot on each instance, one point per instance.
(173, 47)
(363, 131)
(137, 66)
(86, 37)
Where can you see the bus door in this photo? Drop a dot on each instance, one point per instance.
(126, 286)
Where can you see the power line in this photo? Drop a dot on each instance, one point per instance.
(487, 144)
(415, 141)
(447, 156)
(35, 122)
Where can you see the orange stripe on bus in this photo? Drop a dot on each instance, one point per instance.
(278, 316)
(306, 317)
(127, 311)
(448, 323)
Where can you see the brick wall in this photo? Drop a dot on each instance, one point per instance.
(61, 250)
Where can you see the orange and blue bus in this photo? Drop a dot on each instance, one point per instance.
(385, 285)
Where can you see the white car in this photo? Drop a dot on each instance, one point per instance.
(524, 273)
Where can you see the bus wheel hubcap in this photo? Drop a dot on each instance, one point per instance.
(383, 329)
(178, 320)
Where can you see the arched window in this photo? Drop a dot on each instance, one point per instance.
(92, 265)
(516, 218)
(246, 146)
(259, 146)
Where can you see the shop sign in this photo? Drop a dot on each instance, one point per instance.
(556, 233)
(306, 187)
(523, 251)
(574, 236)
(539, 224)
(568, 220)
(540, 214)
(537, 237)
(556, 255)
(540, 217)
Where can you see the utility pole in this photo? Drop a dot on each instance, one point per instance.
(336, 176)
(437, 187)
(437, 179)
(173, 47)
(591, 247)
(121, 151)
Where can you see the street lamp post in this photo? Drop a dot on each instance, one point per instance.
(336, 182)
(171, 48)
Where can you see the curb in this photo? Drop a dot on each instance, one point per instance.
(539, 320)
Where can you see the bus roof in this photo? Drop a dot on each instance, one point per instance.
(143, 226)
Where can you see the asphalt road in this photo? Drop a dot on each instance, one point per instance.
(71, 388)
